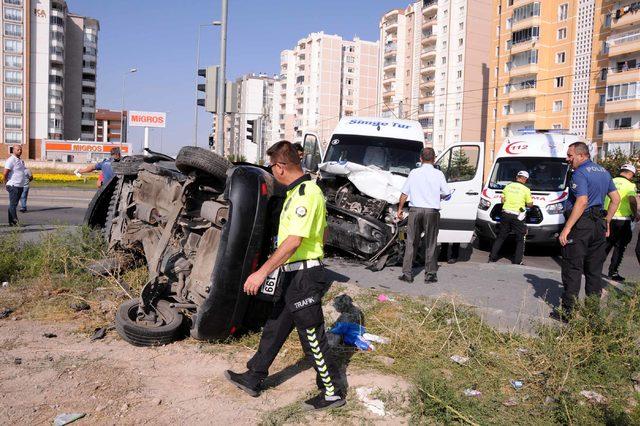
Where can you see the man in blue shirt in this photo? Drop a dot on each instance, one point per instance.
(104, 166)
(425, 187)
(583, 238)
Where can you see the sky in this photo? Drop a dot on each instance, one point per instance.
(159, 37)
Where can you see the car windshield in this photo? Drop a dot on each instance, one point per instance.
(394, 155)
(545, 174)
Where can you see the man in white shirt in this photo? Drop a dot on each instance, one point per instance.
(13, 175)
(425, 187)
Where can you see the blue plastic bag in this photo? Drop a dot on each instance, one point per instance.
(351, 334)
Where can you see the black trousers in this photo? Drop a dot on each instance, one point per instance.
(619, 237)
(427, 221)
(15, 193)
(299, 307)
(585, 254)
(638, 248)
(509, 224)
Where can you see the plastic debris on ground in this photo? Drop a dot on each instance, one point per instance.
(374, 405)
(352, 335)
(511, 402)
(459, 359)
(594, 397)
(49, 335)
(80, 306)
(473, 393)
(5, 312)
(517, 384)
(66, 418)
(5, 284)
(99, 333)
(385, 298)
(375, 338)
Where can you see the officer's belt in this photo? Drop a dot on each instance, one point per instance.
(594, 212)
(301, 264)
(620, 218)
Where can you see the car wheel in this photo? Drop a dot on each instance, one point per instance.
(126, 168)
(95, 216)
(191, 158)
(167, 329)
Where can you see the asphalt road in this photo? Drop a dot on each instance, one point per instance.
(508, 296)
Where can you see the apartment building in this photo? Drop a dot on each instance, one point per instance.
(548, 68)
(108, 124)
(434, 68)
(255, 102)
(620, 126)
(48, 74)
(15, 68)
(323, 79)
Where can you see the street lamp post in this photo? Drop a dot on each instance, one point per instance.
(222, 79)
(124, 77)
(195, 127)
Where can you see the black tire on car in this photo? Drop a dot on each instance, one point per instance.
(167, 330)
(96, 213)
(127, 168)
(191, 158)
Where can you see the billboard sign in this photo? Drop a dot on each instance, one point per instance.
(147, 119)
(79, 147)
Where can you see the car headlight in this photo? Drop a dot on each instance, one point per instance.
(556, 208)
(484, 204)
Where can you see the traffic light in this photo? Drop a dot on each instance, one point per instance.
(252, 129)
(209, 87)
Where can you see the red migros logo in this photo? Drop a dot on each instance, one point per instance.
(516, 148)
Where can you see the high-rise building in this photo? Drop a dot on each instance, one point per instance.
(548, 68)
(14, 78)
(620, 127)
(108, 124)
(48, 74)
(323, 79)
(434, 68)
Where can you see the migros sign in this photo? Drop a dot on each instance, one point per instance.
(147, 119)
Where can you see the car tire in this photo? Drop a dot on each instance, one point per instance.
(95, 215)
(127, 168)
(191, 158)
(137, 334)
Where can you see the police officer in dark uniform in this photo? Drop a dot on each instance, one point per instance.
(583, 238)
(300, 250)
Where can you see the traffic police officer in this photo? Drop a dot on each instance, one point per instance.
(621, 234)
(583, 238)
(515, 197)
(299, 253)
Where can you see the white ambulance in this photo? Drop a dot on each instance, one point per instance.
(543, 155)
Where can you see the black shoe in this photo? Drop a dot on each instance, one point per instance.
(322, 402)
(490, 260)
(431, 278)
(23, 210)
(452, 261)
(556, 315)
(617, 277)
(405, 278)
(245, 381)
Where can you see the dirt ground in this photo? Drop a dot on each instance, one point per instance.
(182, 383)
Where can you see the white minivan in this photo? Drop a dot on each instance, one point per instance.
(362, 170)
(542, 154)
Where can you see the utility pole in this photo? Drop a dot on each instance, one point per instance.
(400, 109)
(222, 79)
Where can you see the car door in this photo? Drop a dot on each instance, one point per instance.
(462, 165)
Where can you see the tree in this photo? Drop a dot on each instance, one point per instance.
(613, 162)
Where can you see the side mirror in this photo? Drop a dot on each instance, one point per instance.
(311, 152)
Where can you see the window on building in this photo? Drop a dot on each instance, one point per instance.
(444, 60)
(623, 91)
(504, 132)
(12, 30)
(461, 25)
(557, 106)
(603, 74)
(495, 113)
(607, 20)
(459, 73)
(13, 107)
(601, 100)
(524, 12)
(13, 2)
(524, 35)
(559, 82)
(622, 123)
(498, 30)
(460, 58)
(600, 127)
(350, 59)
(561, 57)
(13, 137)
(350, 70)
(458, 105)
(11, 14)
(441, 122)
(444, 28)
(12, 76)
(510, 2)
(562, 33)
(12, 122)
(12, 46)
(460, 41)
(13, 61)
(563, 12)
(12, 92)
(457, 122)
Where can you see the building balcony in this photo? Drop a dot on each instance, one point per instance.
(85, 122)
(522, 46)
(629, 75)
(57, 43)
(91, 44)
(89, 83)
(525, 23)
(389, 65)
(56, 58)
(428, 36)
(427, 52)
(391, 27)
(426, 123)
(55, 132)
(388, 78)
(531, 92)
(388, 93)
(390, 48)
(56, 72)
(88, 109)
(625, 105)
(427, 82)
(55, 101)
(429, 6)
(88, 70)
(522, 70)
(621, 135)
(428, 21)
(622, 19)
(89, 96)
(427, 68)
(521, 116)
(621, 44)
(88, 57)
(87, 136)
(55, 86)
(58, 13)
(57, 28)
